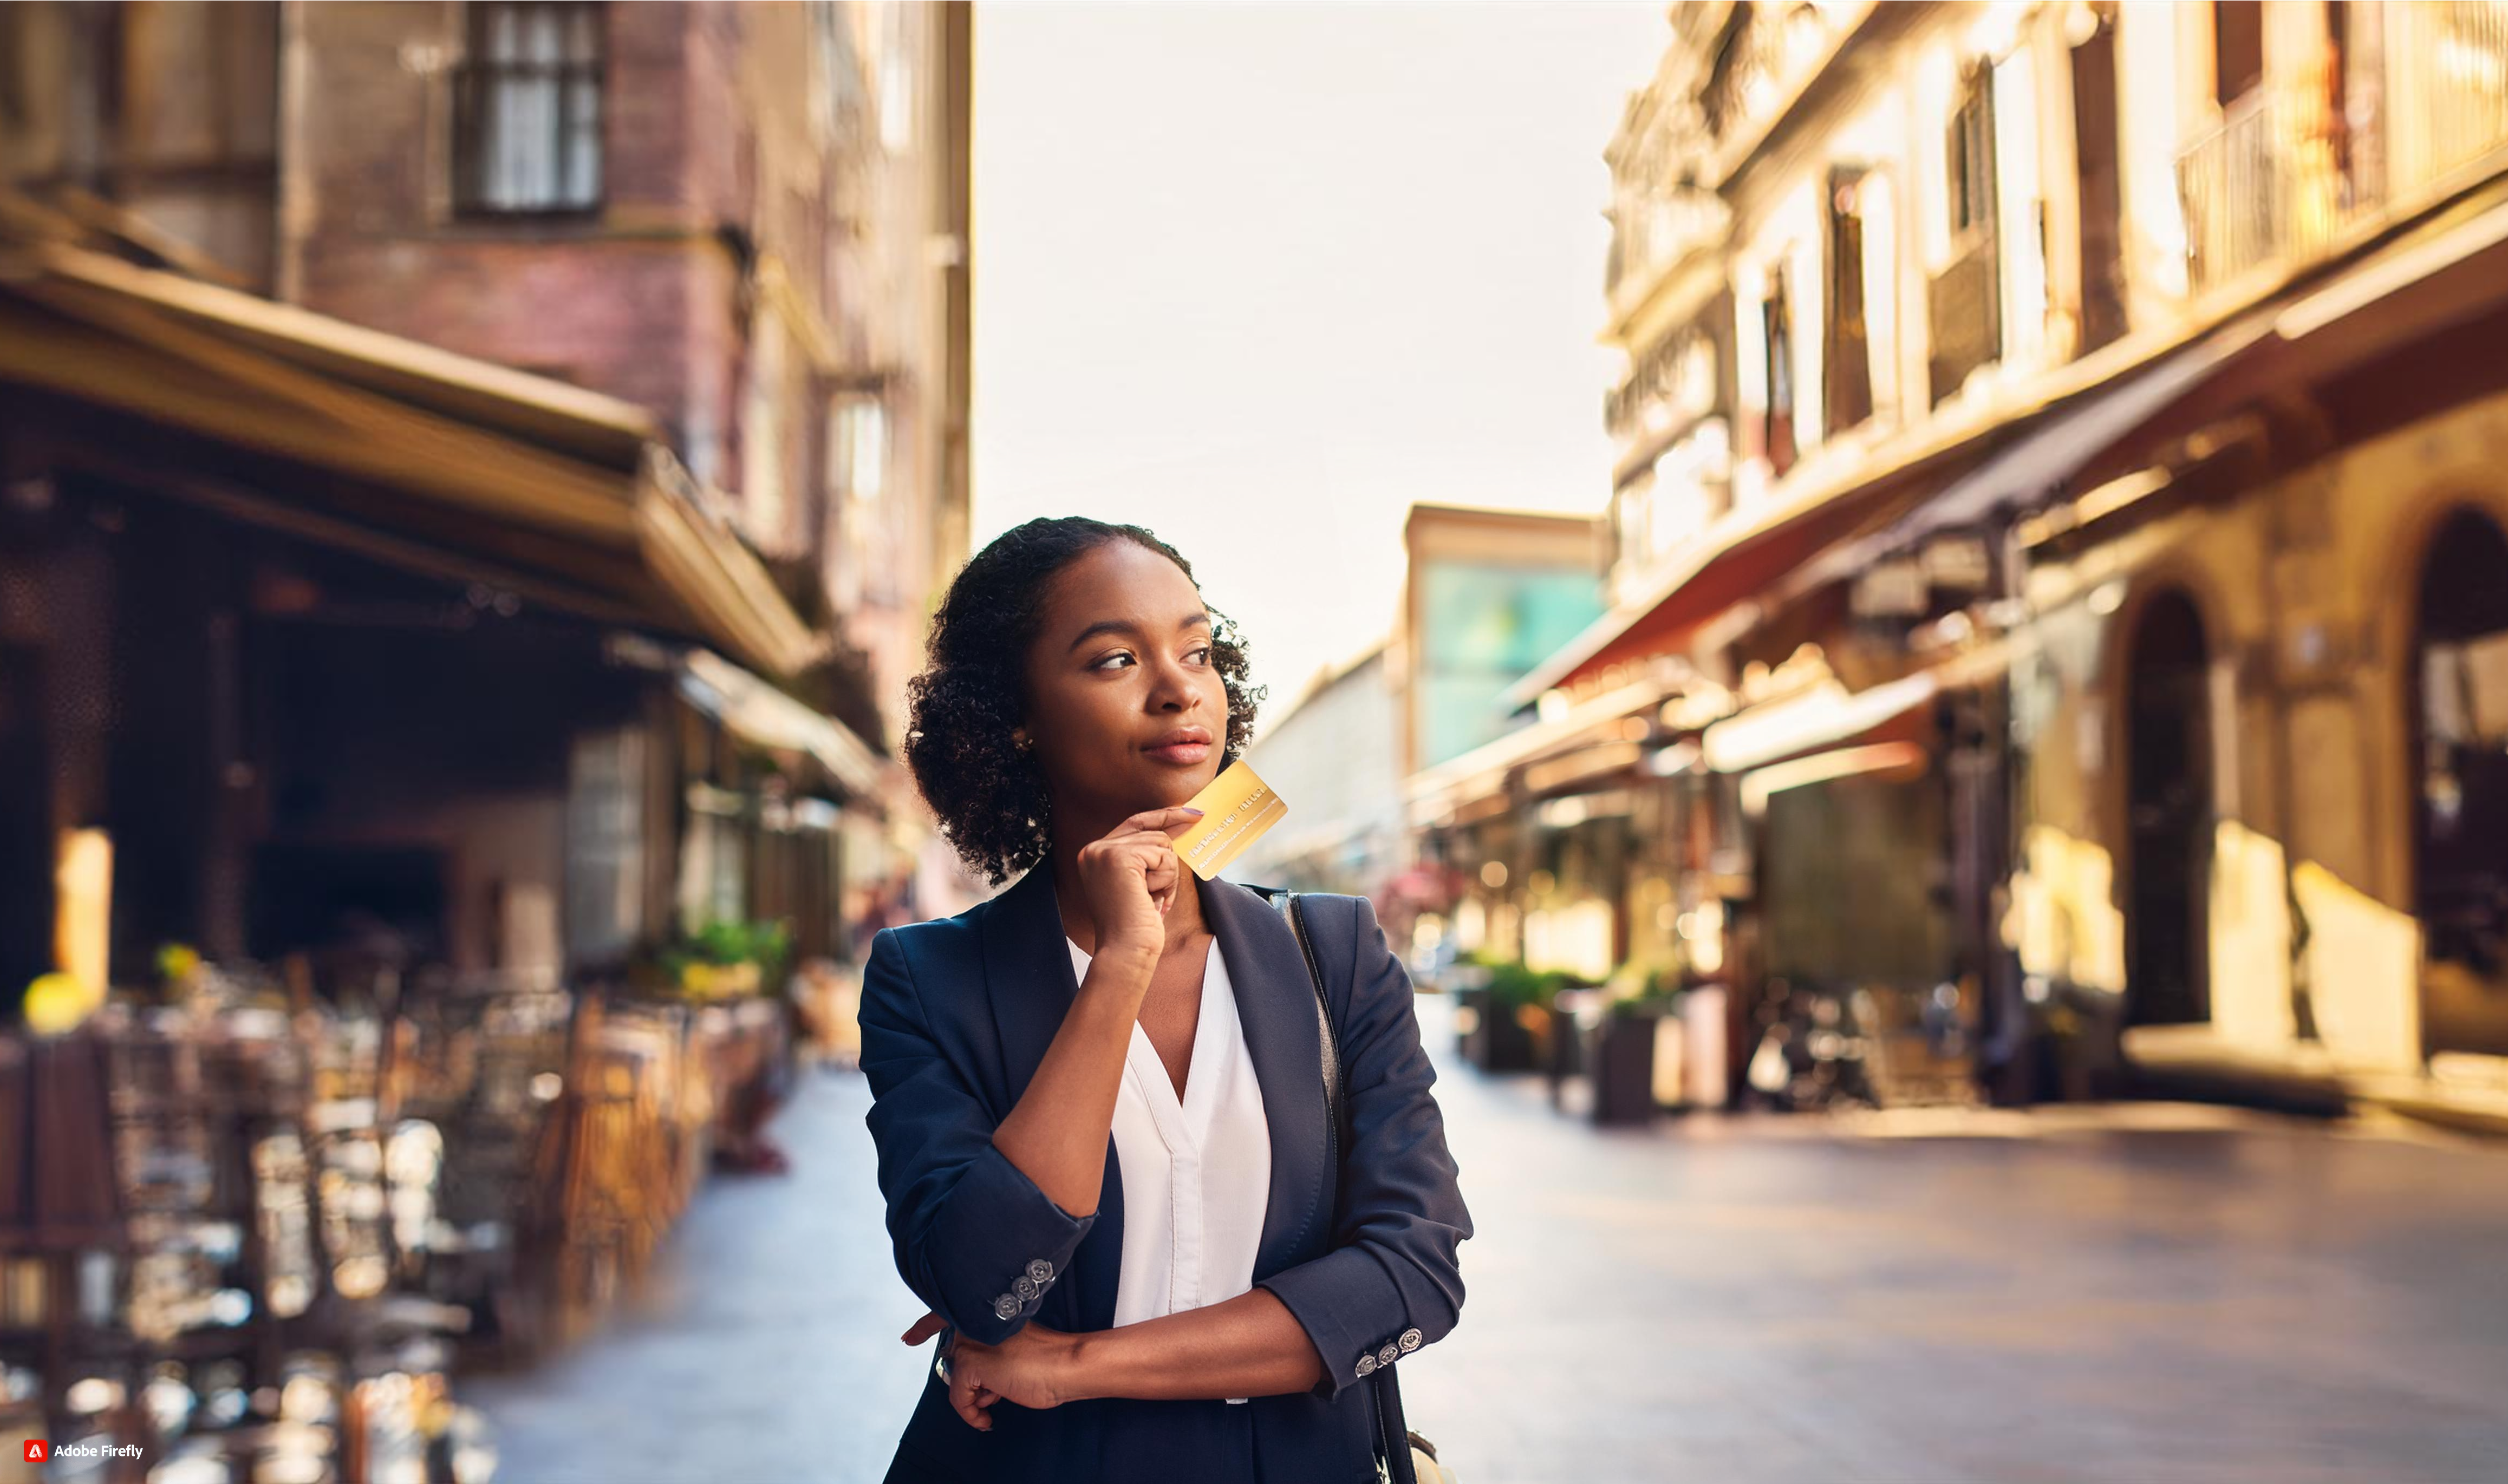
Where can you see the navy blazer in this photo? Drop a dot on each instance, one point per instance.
(957, 1013)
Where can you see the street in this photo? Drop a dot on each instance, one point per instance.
(2141, 1293)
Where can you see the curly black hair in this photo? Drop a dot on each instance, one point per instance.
(988, 794)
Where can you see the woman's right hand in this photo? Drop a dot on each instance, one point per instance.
(1131, 876)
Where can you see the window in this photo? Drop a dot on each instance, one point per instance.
(857, 456)
(1847, 361)
(835, 71)
(528, 110)
(858, 561)
(2237, 48)
(2338, 81)
(897, 84)
(1971, 173)
(1777, 320)
(765, 501)
(2098, 150)
(1963, 298)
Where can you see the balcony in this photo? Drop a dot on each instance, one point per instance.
(2285, 175)
(2260, 186)
(2448, 87)
(1655, 229)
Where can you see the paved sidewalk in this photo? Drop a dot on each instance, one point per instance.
(2146, 1293)
(762, 1350)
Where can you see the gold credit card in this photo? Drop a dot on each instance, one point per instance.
(1236, 807)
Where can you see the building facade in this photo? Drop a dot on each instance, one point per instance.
(2056, 536)
(1332, 752)
(477, 469)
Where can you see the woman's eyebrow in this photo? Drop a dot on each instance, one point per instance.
(1125, 626)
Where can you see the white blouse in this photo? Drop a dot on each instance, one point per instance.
(1197, 1174)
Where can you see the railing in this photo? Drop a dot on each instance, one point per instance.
(2448, 87)
(2284, 173)
(2238, 187)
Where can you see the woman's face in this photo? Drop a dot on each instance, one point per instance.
(1121, 666)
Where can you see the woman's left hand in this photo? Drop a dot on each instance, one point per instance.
(1033, 1367)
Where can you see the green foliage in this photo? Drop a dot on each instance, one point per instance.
(694, 963)
(1512, 982)
(1658, 990)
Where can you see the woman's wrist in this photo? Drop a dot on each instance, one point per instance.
(1079, 1377)
(1122, 973)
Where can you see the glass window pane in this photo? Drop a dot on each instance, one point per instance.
(541, 36)
(583, 145)
(503, 43)
(582, 34)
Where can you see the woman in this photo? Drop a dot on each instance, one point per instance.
(1098, 1102)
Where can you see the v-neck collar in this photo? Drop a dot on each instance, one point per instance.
(1184, 1120)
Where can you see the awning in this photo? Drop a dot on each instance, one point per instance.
(1821, 718)
(2440, 282)
(1741, 554)
(2042, 459)
(769, 718)
(1829, 715)
(414, 455)
(1435, 791)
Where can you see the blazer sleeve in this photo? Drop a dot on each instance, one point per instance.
(1392, 1278)
(975, 1238)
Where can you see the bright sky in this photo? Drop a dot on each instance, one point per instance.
(1260, 276)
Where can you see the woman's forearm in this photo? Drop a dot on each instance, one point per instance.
(1057, 1133)
(1248, 1346)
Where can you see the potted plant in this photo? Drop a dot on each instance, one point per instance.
(1621, 1056)
(1516, 1016)
(723, 959)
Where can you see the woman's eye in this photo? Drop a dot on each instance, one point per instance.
(1203, 650)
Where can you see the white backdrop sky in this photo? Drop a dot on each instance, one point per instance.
(1258, 276)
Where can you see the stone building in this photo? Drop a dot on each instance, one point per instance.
(2058, 520)
(484, 461)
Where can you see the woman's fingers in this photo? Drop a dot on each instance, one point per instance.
(964, 1395)
(1161, 869)
(968, 1394)
(1170, 819)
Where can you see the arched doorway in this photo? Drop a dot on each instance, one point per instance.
(2459, 759)
(2168, 800)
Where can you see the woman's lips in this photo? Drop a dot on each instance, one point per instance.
(1183, 752)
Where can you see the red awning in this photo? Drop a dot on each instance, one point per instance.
(1748, 552)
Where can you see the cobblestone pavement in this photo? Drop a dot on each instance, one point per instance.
(2133, 1294)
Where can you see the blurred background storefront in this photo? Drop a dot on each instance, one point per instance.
(2053, 562)
(472, 482)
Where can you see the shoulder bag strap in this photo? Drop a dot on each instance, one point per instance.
(1384, 1398)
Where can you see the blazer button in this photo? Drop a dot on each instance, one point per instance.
(1367, 1365)
(1040, 1269)
(1005, 1307)
(1388, 1355)
(1024, 1286)
(1410, 1340)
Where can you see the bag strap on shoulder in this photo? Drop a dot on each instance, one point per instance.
(1392, 1442)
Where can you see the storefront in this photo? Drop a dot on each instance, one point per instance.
(402, 854)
